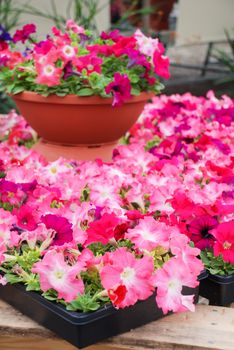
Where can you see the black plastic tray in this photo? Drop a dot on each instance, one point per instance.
(218, 289)
(83, 329)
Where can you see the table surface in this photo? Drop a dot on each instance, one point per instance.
(209, 327)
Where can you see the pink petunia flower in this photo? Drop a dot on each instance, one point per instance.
(3, 250)
(120, 88)
(123, 271)
(71, 25)
(55, 273)
(91, 63)
(169, 281)
(147, 45)
(149, 234)
(3, 280)
(161, 65)
(48, 74)
(27, 218)
(180, 248)
(224, 244)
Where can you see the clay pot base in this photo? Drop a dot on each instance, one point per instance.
(54, 151)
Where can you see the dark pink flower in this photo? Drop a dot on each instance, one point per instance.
(102, 230)
(200, 231)
(25, 218)
(43, 47)
(161, 65)
(90, 63)
(114, 35)
(24, 33)
(136, 58)
(120, 88)
(61, 227)
(224, 244)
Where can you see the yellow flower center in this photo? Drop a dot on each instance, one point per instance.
(227, 245)
(59, 274)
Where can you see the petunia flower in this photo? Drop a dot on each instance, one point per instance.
(55, 273)
(149, 234)
(120, 89)
(3, 250)
(169, 281)
(90, 63)
(102, 230)
(61, 226)
(24, 33)
(199, 231)
(126, 278)
(224, 241)
(4, 35)
(26, 218)
(48, 74)
(161, 65)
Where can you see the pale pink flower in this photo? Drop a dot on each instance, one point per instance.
(3, 280)
(169, 281)
(10, 238)
(149, 234)
(71, 25)
(147, 45)
(121, 268)
(180, 248)
(3, 250)
(55, 273)
(104, 193)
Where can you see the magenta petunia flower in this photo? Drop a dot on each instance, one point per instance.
(62, 228)
(43, 47)
(24, 33)
(200, 231)
(120, 89)
(114, 35)
(161, 65)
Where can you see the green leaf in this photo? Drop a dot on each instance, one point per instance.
(84, 303)
(85, 92)
(17, 90)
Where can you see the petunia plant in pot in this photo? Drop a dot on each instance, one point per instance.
(75, 89)
(216, 240)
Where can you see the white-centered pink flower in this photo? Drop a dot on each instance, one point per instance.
(122, 269)
(169, 281)
(55, 273)
(149, 234)
(48, 74)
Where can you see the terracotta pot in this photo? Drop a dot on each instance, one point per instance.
(73, 120)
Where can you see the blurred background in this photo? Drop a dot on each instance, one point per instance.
(198, 35)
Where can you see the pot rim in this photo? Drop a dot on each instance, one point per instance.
(76, 100)
(222, 278)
